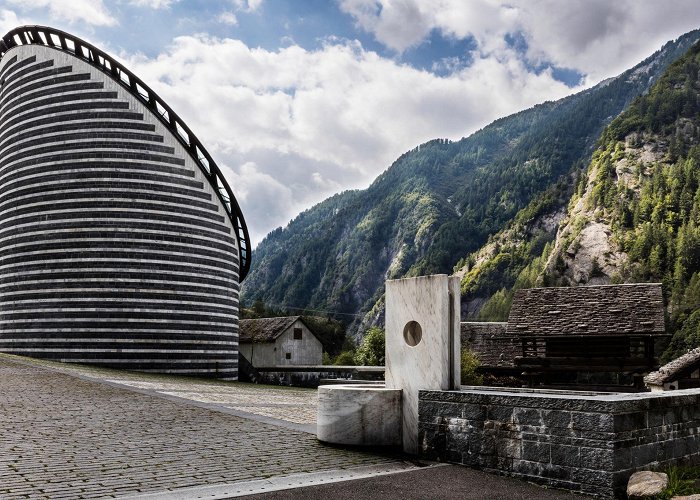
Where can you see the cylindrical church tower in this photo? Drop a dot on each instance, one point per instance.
(121, 244)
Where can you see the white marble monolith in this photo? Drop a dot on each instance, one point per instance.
(422, 342)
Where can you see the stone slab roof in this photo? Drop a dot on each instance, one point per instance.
(489, 343)
(264, 330)
(631, 309)
(670, 371)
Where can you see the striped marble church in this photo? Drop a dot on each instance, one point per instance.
(121, 244)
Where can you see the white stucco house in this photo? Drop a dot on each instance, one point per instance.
(282, 341)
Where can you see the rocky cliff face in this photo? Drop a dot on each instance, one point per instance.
(588, 247)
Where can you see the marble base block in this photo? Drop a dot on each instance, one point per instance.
(359, 415)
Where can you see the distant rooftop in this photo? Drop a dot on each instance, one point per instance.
(630, 309)
(264, 329)
(670, 371)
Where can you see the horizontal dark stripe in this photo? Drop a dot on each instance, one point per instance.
(124, 225)
(184, 295)
(47, 218)
(182, 326)
(10, 67)
(88, 233)
(99, 155)
(101, 253)
(16, 79)
(49, 288)
(104, 204)
(151, 268)
(173, 358)
(118, 345)
(108, 306)
(83, 136)
(73, 336)
(46, 103)
(107, 185)
(24, 94)
(84, 125)
(115, 148)
(106, 196)
(54, 81)
(63, 120)
(114, 275)
(52, 110)
(112, 315)
(103, 175)
(97, 245)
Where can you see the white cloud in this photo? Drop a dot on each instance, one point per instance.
(92, 12)
(247, 5)
(153, 4)
(9, 21)
(308, 122)
(599, 38)
(228, 18)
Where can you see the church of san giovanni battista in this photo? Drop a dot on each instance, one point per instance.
(121, 244)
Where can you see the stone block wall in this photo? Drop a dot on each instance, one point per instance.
(586, 443)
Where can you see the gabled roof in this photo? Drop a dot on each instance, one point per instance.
(490, 343)
(265, 329)
(672, 370)
(631, 309)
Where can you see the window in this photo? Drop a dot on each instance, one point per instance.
(297, 334)
(288, 355)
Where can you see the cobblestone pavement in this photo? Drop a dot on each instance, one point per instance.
(287, 404)
(69, 432)
(292, 405)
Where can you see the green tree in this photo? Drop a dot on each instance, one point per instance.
(468, 366)
(371, 350)
(345, 358)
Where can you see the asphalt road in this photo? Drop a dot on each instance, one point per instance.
(434, 483)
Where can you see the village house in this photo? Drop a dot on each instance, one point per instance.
(268, 342)
(599, 337)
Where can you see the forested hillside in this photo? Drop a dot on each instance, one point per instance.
(441, 201)
(635, 216)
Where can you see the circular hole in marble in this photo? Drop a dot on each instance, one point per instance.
(412, 333)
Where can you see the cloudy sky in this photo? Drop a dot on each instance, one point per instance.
(299, 99)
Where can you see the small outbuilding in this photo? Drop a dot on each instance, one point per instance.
(681, 373)
(287, 340)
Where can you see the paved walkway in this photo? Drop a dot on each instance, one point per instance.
(69, 437)
(70, 432)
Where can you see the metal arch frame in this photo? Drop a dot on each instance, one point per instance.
(60, 40)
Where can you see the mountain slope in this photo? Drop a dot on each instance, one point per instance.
(438, 202)
(636, 216)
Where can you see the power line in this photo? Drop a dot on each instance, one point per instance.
(312, 310)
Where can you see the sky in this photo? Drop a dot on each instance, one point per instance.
(299, 99)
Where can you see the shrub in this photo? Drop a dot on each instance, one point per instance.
(371, 350)
(469, 364)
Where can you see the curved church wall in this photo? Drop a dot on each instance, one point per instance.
(115, 250)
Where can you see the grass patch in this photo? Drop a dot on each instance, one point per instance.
(681, 481)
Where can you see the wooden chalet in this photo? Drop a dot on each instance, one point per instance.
(574, 335)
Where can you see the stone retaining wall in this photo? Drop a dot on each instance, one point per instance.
(582, 442)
